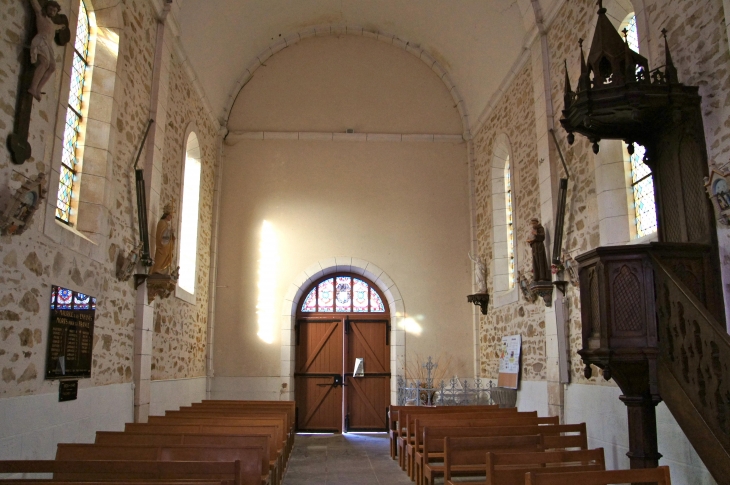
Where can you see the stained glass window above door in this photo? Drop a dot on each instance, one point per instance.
(343, 294)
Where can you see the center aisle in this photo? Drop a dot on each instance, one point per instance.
(342, 459)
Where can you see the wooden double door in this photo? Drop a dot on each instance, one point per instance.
(329, 398)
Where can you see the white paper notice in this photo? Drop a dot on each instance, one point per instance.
(509, 361)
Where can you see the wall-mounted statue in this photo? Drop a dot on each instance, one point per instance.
(480, 273)
(164, 241)
(19, 212)
(38, 64)
(540, 266)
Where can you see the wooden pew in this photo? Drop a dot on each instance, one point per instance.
(510, 468)
(394, 417)
(555, 436)
(253, 459)
(223, 421)
(406, 432)
(110, 438)
(410, 442)
(34, 481)
(121, 470)
(288, 406)
(659, 475)
(467, 456)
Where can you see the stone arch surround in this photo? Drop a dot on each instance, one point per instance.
(329, 266)
(324, 30)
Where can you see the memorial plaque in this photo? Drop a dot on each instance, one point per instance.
(70, 334)
(68, 390)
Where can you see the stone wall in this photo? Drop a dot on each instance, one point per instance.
(515, 117)
(30, 263)
(179, 341)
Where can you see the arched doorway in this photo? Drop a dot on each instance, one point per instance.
(342, 317)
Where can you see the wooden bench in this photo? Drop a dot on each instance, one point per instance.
(406, 433)
(253, 459)
(394, 417)
(510, 468)
(109, 438)
(224, 421)
(411, 441)
(659, 475)
(120, 470)
(466, 457)
(555, 436)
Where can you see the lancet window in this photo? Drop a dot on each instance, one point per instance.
(75, 122)
(509, 225)
(642, 181)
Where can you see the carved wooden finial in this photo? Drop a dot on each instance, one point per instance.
(580, 42)
(625, 31)
(664, 33)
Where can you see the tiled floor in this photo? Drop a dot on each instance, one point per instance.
(351, 458)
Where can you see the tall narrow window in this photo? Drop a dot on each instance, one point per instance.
(510, 227)
(642, 181)
(72, 152)
(189, 215)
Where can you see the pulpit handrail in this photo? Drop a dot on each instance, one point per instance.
(696, 303)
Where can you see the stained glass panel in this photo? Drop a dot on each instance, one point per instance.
(64, 299)
(360, 296)
(81, 301)
(310, 303)
(510, 227)
(53, 297)
(643, 187)
(376, 304)
(69, 157)
(632, 36)
(93, 303)
(343, 296)
(325, 297)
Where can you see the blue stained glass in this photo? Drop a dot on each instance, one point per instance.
(310, 303)
(53, 297)
(64, 299)
(93, 303)
(81, 301)
(643, 187)
(69, 157)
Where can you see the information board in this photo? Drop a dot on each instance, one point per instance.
(70, 334)
(509, 361)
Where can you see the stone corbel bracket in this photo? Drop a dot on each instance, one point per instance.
(161, 285)
(544, 289)
(479, 299)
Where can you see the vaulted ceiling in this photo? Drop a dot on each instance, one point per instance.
(476, 41)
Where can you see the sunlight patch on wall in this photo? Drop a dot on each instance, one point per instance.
(268, 266)
(410, 325)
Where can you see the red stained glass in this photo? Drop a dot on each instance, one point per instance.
(376, 304)
(326, 297)
(343, 295)
(360, 296)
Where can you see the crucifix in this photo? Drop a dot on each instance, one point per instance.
(46, 25)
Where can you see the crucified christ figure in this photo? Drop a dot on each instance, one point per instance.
(41, 47)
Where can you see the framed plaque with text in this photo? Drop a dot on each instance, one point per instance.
(70, 334)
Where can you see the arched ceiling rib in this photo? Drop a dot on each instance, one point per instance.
(476, 41)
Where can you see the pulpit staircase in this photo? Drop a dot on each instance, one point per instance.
(652, 321)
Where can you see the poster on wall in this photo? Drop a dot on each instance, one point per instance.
(70, 334)
(509, 361)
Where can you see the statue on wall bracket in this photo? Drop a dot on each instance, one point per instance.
(542, 281)
(37, 68)
(18, 214)
(162, 278)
